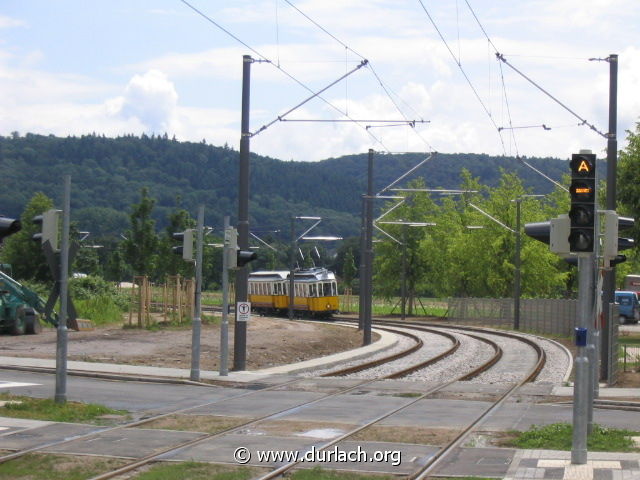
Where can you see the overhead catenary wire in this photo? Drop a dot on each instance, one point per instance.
(501, 57)
(584, 121)
(280, 68)
(387, 90)
(459, 64)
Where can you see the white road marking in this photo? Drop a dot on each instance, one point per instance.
(16, 384)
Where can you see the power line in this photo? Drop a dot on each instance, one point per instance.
(500, 57)
(459, 64)
(265, 59)
(384, 87)
(584, 121)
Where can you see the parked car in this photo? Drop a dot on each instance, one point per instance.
(628, 306)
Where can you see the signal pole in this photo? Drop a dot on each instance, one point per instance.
(242, 275)
(62, 338)
(197, 317)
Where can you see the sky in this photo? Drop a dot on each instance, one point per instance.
(431, 82)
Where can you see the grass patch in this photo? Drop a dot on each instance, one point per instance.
(196, 471)
(318, 473)
(57, 467)
(558, 436)
(196, 423)
(101, 310)
(47, 409)
(629, 339)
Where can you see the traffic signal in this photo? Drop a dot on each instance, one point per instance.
(245, 257)
(186, 249)
(49, 223)
(612, 243)
(9, 226)
(231, 247)
(582, 238)
(236, 258)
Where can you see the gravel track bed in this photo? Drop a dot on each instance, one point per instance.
(517, 358)
(558, 362)
(403, 343)
(471, 354)
(523, 357)
(434, 345)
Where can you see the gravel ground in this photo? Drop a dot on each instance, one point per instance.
(470, 355)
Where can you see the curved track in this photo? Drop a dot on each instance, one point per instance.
(398, 373)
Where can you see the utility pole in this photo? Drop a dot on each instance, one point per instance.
(242, 275)
(608, 285)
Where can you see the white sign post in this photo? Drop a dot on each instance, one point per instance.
(244, 311)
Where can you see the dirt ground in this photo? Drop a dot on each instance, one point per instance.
(270, 342)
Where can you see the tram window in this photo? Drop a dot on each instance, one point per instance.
(313, 291)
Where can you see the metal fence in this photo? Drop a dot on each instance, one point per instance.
(541, 315)
(630, 357)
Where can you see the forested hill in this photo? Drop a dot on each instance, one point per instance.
(108, 174)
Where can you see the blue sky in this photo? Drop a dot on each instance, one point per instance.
(72, 67)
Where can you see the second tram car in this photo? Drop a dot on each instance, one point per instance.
(315, 292)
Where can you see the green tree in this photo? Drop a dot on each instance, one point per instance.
(418, 207)
(141, 242)
(26, 256)
(349, 269)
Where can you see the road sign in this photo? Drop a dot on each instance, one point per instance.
(243, 310)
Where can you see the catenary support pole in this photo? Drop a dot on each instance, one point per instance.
(362, 269)
(242, 274)
(292, 267)
(196, 323)
(608, 286)
(517, 264)
(368, 253)
(61, 339)
(403, 281)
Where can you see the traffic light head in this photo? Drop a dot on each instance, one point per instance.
(49, 223)
(9, 226)
(583, 203)
(245, 257)
(186, 249)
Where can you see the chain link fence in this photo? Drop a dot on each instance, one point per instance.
(547, 316)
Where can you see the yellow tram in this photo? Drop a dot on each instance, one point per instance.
(315, 292)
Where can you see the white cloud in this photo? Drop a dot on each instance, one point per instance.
(151, 99)
(8, 22)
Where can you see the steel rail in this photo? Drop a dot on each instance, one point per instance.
(375, 363)
(286, 467)
(158, 454)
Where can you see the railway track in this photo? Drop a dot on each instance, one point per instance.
(398, 373)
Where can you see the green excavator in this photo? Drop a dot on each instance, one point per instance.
(20, 307)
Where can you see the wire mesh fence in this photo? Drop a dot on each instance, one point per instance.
(548, 316)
